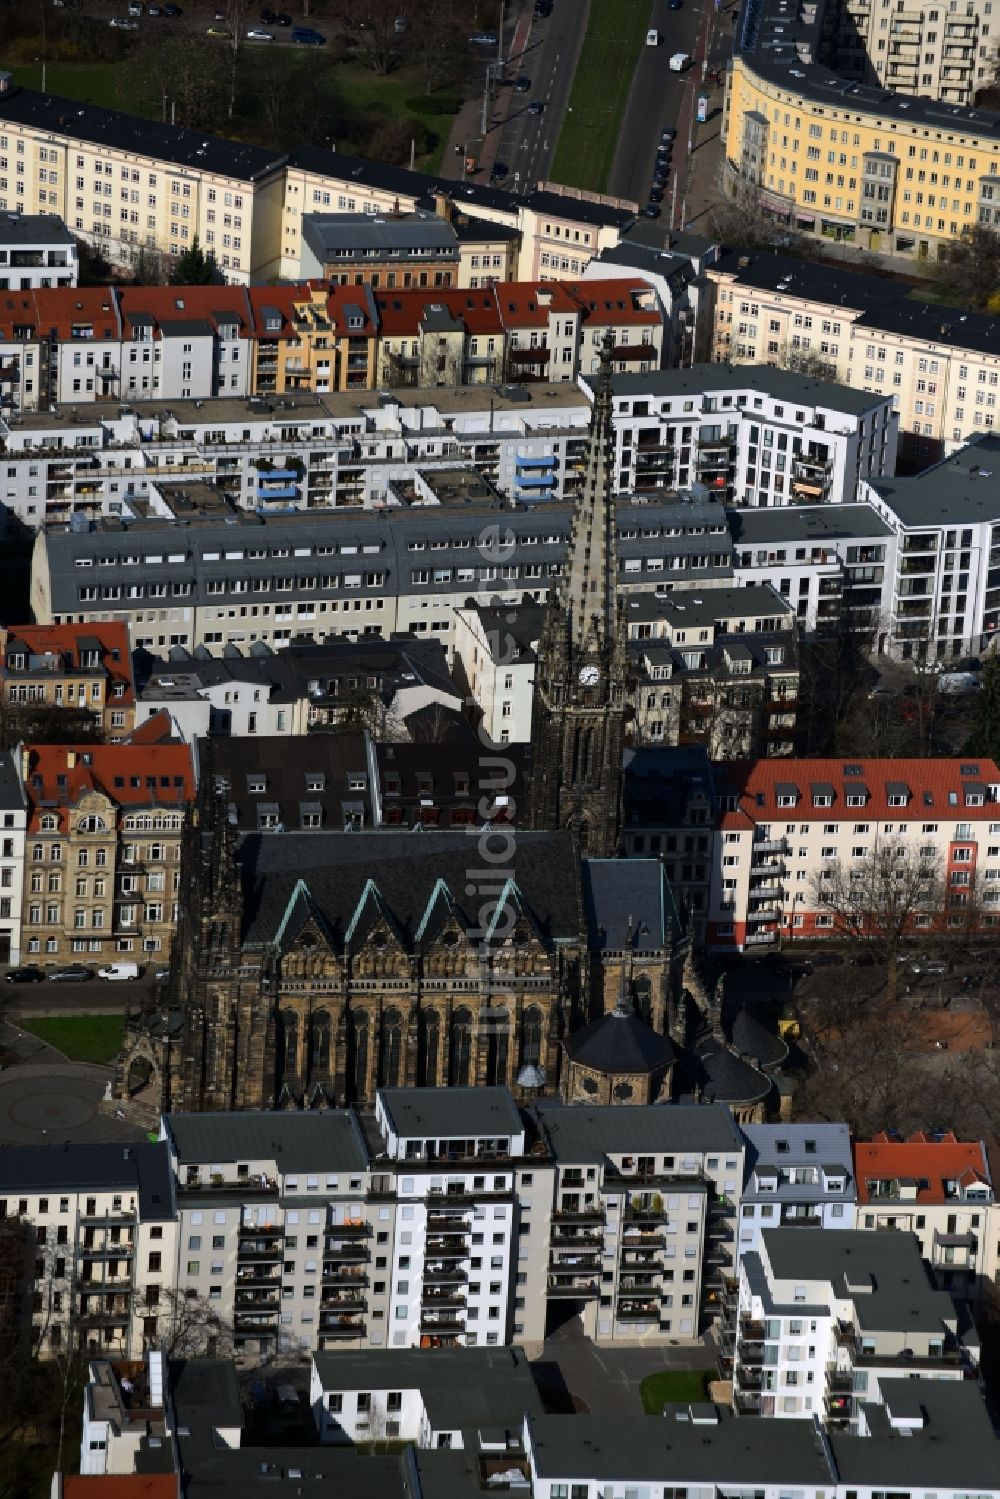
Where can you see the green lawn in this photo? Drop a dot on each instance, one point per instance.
(672, 1384)
(82, 1038)
(616, 31)
(111, 84)
(367, 97)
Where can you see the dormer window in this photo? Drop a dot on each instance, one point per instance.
(256, 783)
(822, 799)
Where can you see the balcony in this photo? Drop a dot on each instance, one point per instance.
(347, 1254)
(578, 1215)
(443, 1324)
(349, 1301)
(342, 1328)
(645, 1311)
(106, 1251)
(748, 1377)
(747, 1403)
(569, 1286)
(801, 1220)
(441, 1300)
(342, 1275)
(444, 1275)
(576, 1263)
(575, 1237)
(644, 1212)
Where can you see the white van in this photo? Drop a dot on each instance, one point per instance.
(652, 37)
(679, 62)
(115, 972)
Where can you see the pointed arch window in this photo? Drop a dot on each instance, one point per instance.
(289, 1043)
(359, 1071)
(392, 1048)
(461, 1048)
(321, 1042)
(432, 1042)
(497, 1047)
(531, 1037)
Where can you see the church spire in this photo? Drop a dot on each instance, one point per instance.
(589, 587)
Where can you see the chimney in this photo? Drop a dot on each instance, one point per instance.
(443, 207)
(70, 759)
(25, 762)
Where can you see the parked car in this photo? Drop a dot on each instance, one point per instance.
(522, 83)
(161, 974)
(258, 34)
(122, 23)
(117, 973)
(499, 172)
(174, 12)
(72, 973)
(651, 211)
(305, 36)
(135, 7)
(219, 31)
(27, 975)
(668, 133)
(282, 19)
(543, 9)
(656, 194)
(536, 107)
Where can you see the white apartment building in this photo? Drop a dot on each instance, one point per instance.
(827, 561)
(775, 439)
(799, 1175)
(939, 1189)
(494, 654)
(36, 250)
(785, 824)
(435, 1402)
(703, 1450)
(824, 1315)
(98, 1226)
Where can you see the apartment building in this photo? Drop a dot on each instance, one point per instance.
(261, 693)
(643, 1236)
(13, 829)
(832, 564)
(439, 1221)
(126, 185)
(718, 667)
(87, 669)
(784, 827)
(224, 576)
(670, 810)
(927, 49)
(437, 1404)
(398, 252)
(102, 866)
(777, 439)
(702, 1446)
(98, 1227)
(855, 162)
(945, 583)
(940, 365)
(937, 1188)
(674, 270)
(36, 249)
(824, 1315)
(494, 652)
(298, 447)
(799, 1176)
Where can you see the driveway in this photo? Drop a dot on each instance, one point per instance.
(606, 1380)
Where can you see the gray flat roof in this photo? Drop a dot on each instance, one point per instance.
(461, 1387)
(141, 1168)
(667, 1450)
(12, 797)
(899, 1297)
(330, 236)
(694, 607)
(33, 229)
(956, 1442)
(815, 523)
(330, 1141)
(959, 490)
(762, 379)
(452, 1113)
(589, 1134)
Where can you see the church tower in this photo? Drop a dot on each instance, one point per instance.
(578, 714)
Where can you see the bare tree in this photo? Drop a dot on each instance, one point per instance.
(372, 25)
(877, 901)
(189, 1326)
(237, 12)
(740, 219)
(435, 39)
(808, 362)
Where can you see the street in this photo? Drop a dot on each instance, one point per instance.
(546, 52)
(93, 997)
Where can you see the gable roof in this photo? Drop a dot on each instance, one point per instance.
(157, 775)
(927, 1162)
(934, 789)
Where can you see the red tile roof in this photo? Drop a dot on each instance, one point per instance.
(931, 783)
(57, 775)
(929, 1162)
(121, 1486)
(615, 302)
(64, 641)
(60, 310)
(532, 303)
(173, 304)
(401, 312)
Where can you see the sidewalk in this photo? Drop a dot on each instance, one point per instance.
(701, 186)
(467, 125)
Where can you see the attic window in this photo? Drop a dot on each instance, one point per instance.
(256, 783)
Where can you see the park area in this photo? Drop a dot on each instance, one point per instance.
(80, 1038)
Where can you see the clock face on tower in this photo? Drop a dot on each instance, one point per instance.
(589, 676)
